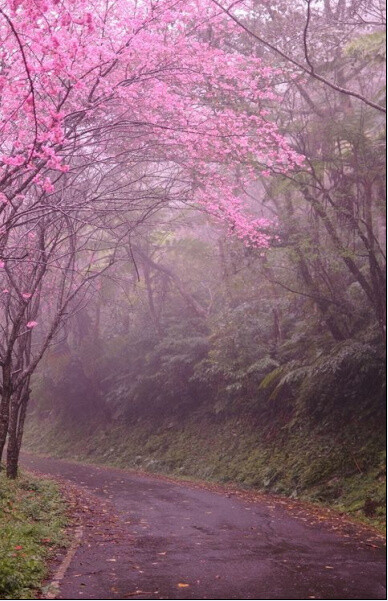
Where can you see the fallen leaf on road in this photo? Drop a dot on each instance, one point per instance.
(182, 585)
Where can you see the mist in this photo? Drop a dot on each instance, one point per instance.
(193, 259)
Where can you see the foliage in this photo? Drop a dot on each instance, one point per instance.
(32, 521)
(370, 46)
(351, 374)
(164, 380)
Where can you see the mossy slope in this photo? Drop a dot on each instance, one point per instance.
(341, 467)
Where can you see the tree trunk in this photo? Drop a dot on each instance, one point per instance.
(12, 448)
(150, 295)
(4, 407)
(373, 298)
(17, 417)
(322, 304)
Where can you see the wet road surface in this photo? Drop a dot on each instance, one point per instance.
(174, 541)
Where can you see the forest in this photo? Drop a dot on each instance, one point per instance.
(192, 242)
(192, 299)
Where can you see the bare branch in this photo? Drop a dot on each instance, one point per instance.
(299, 65)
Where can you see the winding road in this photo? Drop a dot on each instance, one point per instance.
(149, 538)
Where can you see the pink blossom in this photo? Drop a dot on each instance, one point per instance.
(31, 324)
(14, 161)
(47, 185)
(146, 62)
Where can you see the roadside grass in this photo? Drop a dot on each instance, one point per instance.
(32, 527)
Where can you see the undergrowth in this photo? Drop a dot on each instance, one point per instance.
(32, 521)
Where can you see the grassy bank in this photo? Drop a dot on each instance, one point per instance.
(341, 468)
(32, 521)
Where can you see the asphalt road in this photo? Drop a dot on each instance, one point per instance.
(156, 539)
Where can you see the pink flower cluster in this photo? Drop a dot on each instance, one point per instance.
(206, 107)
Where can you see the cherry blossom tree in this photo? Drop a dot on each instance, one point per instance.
(152, 69)
(109, 111)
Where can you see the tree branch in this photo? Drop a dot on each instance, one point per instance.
(24, 58)
(297, 64)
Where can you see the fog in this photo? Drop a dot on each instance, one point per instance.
(193, 242)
